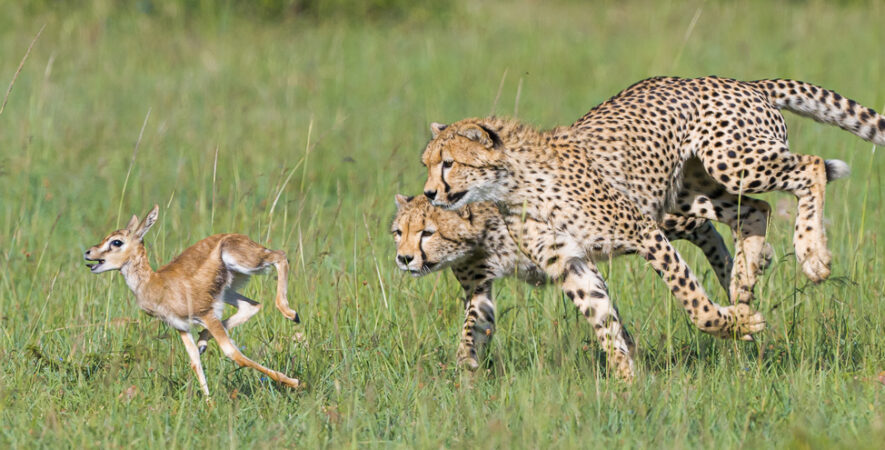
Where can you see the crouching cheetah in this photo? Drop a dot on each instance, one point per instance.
(475, 244)
(599, 187)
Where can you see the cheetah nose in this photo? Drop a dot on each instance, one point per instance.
(86, 253)
(405, 259)
(430, 194)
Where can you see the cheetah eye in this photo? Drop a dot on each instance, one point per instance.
(427, 233)
(397, 233)
(116, 243)
(447, 164)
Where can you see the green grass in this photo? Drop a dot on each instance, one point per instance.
(344, 110)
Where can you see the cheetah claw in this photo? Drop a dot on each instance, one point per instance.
(746, 323)
(816, 263)
(467, 358)
(470, 364)
(765, 258)
(816, 269)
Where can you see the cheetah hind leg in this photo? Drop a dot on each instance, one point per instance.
(747, 217)
(808, 183)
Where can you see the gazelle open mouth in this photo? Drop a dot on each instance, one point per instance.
(93, 267)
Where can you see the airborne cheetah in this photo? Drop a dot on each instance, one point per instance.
(663, 145)
(475, 243)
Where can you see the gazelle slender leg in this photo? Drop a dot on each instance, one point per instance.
(246, 308)
(282, 265)
(230, 350)
(247, 257)
(194, 356)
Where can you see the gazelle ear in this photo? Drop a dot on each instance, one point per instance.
(402, 200)
(481, 135)
(149, 220)
(436, 128)
(133, 224)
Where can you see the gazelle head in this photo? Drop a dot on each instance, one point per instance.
(118, 248)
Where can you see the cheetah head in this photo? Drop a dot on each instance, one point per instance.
(464, 163)
(430, 238)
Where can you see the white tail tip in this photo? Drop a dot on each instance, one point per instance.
(837, 169)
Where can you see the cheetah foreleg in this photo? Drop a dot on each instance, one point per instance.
(735, 321)
(479, 325)
(702, 233)
(584, 285)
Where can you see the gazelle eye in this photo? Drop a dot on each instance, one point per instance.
(117, 243)
(426, 233)
(447, 164)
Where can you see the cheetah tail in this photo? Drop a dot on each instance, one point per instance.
(824, 105)
(836, 169)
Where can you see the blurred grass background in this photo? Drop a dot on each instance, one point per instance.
(326, 106)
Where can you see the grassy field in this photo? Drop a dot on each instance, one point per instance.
(300, 133)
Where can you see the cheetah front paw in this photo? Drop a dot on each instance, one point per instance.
(816, 264)
(747, 322)
(623, 366)
(743, 322)
(467, 358)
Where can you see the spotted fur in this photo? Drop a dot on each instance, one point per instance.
(693, 147)
(475, 243)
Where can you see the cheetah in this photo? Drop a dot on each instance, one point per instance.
(598, 188)
(474, 242)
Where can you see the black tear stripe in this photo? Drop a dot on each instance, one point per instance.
(443, 237)
(442, 177)
(423, 255)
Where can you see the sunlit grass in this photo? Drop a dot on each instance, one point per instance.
(300, 134)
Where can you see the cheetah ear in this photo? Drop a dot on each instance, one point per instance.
(481, 135)
(401, 201)
(466, 213)
(436, 128)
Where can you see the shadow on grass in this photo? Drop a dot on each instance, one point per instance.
(91, 364)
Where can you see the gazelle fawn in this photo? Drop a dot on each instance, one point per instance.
(195, 286)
